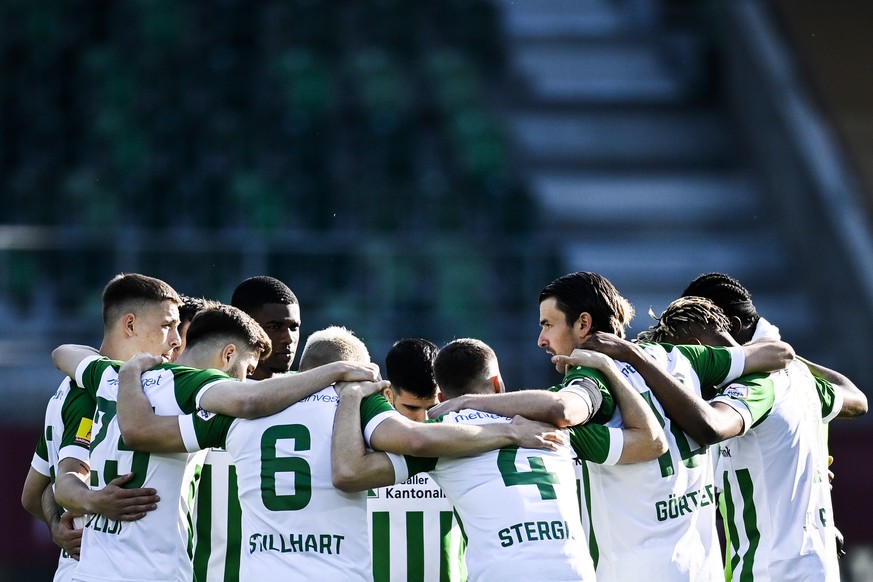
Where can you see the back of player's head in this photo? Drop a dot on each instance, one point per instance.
(583, 291)
(191, 306)
(219, 324)
(726, 292)
(255, 292)
(409, 367)
(465, 366)
(686, 317)
(332, 344)
(130, 292)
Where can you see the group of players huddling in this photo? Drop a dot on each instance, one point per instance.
(185, 448)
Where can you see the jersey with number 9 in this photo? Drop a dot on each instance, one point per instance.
(154, 548)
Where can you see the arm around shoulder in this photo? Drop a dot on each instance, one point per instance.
(766, 356)
(353, 467)
(854, 401)
(67, 357)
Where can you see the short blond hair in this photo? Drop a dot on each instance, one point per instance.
(332, 344)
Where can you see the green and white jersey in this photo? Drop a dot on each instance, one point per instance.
(777, 502)
(294, 522)
(217, 520)
(518, 508)
(415, 535)
(66, 434)
(154, 548)
(572, 382)
(655, 521)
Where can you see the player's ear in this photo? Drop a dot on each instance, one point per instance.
(736, 325)
(583, 324)
(128, 324)
(227, 353)
(440, 396)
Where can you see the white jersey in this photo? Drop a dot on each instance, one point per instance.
(295, 523)
(415, 535)
(66, 434)
(155, 548)
(518, 508)
(777, 501)
(655, 521)
(217, 520)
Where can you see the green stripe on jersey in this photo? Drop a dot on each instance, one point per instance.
(381, 552)
(749, 524)
(206, 495)
(665, 461)
(733, 536)
(234, 528)
(448, 561)
(414, 546)
(750, 521)
(204, 524)
(592, 539)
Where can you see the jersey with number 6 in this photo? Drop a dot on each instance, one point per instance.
(66, 434)
(295, 523)
(655, 521)
(154, 548)
(777, 501)
(518, 507)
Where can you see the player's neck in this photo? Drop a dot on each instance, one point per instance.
(115, 350)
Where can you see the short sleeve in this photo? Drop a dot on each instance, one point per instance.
(752, 396)
(830, 397)
(203, 430)
(597, 443)
(189, 384)
(714, 365)
(40, 462)
(374, 410)
(90, 371)
(576, 375)
(417, 465)
(77, 415)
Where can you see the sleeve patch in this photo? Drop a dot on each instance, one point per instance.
(204, 415)
(736, 391)
(83, 433)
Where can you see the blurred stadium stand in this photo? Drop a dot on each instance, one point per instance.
(413, 169)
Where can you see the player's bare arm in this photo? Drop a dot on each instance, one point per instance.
(269, 396)
(67, 357)
(140, 427)
(644, 438)
(35, 485)
(113, 501)
(561, 409)
(356, 469)
(38, 498)
(854, 401)
(402, 436)
(706, 423)
(766, 356)
(353, 467)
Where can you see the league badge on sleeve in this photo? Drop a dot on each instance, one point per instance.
(737, 391)
(83, 433)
